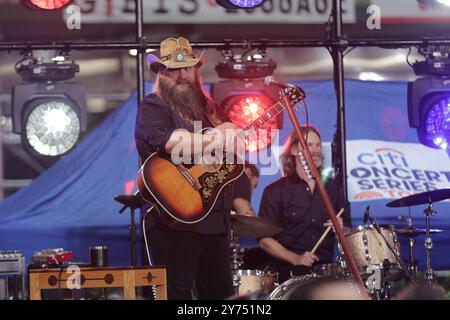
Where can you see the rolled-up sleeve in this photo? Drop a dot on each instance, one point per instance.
(154, 126)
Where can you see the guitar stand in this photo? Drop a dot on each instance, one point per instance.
(133, 202)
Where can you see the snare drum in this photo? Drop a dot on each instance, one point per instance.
(252, 281)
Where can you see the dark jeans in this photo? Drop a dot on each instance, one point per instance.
(192, 258)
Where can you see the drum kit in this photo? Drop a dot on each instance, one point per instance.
(250, 281)
(375, 249)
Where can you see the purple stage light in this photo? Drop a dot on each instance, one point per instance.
(437, 119)
(243, 4)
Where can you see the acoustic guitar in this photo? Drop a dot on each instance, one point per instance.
(186, 193)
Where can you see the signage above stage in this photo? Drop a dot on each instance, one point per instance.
(207, 11)
(411, 11)
(390, 170)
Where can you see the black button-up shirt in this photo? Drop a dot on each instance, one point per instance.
(155, 123)
(289, 202)
(242, 188)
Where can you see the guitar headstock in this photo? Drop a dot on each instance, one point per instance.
(295, 95)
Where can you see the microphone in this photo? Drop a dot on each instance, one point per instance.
(271, 81)
(366, 215)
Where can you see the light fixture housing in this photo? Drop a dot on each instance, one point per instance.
(50, 116)
(429, 111)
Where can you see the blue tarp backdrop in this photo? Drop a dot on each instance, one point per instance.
(71, 205)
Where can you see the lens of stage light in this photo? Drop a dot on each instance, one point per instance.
(440, 142)
(437, 117)
(243, 110)
(246, 3)
(52, 128)
(243, 4)
(48, 4)
(444, 2)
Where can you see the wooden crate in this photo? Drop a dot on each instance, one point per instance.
(128, 278)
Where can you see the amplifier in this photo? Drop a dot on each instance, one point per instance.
(12, 275)
(12, 262)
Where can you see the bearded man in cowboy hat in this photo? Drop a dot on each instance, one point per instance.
(196, 260)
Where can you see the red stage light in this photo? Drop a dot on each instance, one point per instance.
(46, 4)
(243, 110)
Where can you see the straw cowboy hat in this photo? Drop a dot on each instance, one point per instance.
(175, 53)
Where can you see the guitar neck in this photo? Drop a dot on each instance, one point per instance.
(268, 115)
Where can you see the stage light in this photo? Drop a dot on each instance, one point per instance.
(429, 111)
(46, 4)
(52, 127)
(244, 97)
(244, 101)
(49, 112)
(134, 52)
(435, 2)
(370, 76)
(240, 4)
(244, 109)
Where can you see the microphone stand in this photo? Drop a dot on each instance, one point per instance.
(404, 268)
(326, 198)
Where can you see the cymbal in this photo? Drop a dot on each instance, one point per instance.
(420, 198)
(414, 232)
(250, 226)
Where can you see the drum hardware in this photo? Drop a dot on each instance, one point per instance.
(366, 254)
(381, 293)
(249, 226)
(412, 263)
(236, 259)
(411, 233)
(429, 211)
(334, 270)
(394, 252)
(427, 197)
(341, 262)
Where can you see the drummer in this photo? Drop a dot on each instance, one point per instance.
(295, 203)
